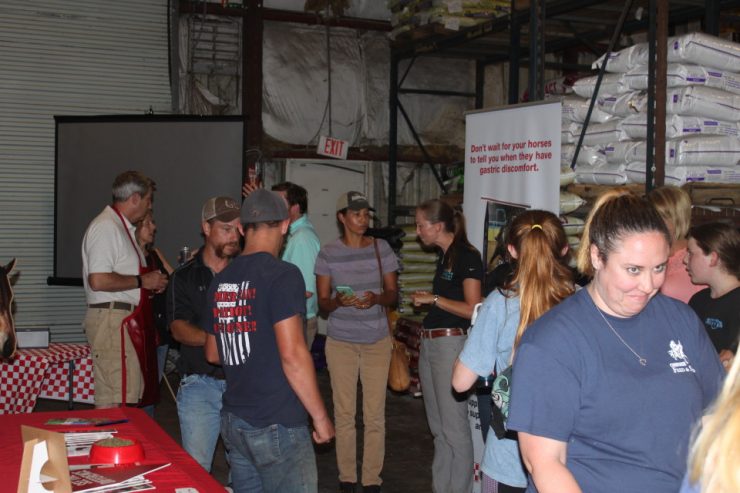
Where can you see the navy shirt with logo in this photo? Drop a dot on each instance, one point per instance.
(448, 283)
(246, 300)
(626, 426)
(721, 317)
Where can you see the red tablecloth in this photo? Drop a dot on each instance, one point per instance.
(45, 373)
(183, 472)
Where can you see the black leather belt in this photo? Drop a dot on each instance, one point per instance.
(115, 305)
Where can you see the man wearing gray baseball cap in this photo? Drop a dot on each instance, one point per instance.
(202, 384)
(255, 331)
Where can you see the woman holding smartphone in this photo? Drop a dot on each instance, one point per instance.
(349, 287)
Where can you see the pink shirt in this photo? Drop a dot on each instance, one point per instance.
(677, 281)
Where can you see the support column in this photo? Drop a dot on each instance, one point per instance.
(392, 139)
(252, 25)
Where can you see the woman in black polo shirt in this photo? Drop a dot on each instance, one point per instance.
(456, 290)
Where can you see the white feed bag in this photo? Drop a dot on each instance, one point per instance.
(682, 75)
(574, 242)
(575, 109)
(610, 84)
(706, 50)
(609, 174)
(569, 202)
(635, 126)
(703, 101)
(603, 133)
(623, 105)
(589, 155)
(678, 175)
(572, 225)
(715, 151)
(624, 59)
(623, 152)
(567, 176)
(569, 132)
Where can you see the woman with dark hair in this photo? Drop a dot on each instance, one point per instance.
(537, 242)
(456, 289)
(353, 292)
(155, 260)
(607, 384)
(713, 258)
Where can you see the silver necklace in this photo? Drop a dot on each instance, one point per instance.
(642, 360)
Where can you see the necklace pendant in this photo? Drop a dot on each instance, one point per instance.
(643, 361)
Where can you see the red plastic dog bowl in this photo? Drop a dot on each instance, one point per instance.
(116, 450)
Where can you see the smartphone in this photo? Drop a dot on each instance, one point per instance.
(345, 290)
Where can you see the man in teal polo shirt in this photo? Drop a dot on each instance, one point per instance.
(302, 247)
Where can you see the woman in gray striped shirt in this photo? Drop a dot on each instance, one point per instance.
(348, 282)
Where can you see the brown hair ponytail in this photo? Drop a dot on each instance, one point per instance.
(542, 277)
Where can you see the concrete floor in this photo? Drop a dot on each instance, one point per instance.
(409, 447)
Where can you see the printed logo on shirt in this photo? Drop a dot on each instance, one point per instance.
(714, 323)
(446, 275)
(682, 364)
(233, 321)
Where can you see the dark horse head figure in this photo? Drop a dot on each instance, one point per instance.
(7, 329)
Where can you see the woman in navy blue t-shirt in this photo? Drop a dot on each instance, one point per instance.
(608, 384)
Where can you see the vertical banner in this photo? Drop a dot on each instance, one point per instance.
(512, 162)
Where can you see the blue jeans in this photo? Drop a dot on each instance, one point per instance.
(272, 459)
(199, 410)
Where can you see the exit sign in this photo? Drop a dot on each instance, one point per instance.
(332, 147)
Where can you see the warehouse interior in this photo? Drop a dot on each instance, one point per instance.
(272, 79)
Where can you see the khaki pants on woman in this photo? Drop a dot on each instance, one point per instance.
(370, 362)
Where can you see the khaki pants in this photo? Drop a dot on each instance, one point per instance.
(370, 362)
(103, 330)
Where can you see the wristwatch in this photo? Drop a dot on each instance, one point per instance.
(434, 300)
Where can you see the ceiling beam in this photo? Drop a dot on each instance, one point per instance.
(203, 8)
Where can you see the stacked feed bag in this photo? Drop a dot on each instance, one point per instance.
(702, 110)
(614, 103)
(409, 15)
(416, 271)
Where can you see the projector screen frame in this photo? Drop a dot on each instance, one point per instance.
(229, 154)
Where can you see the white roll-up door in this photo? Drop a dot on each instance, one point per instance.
(65, 57)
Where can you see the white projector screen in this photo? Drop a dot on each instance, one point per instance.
(190, 159)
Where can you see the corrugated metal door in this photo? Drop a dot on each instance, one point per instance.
(65, 57)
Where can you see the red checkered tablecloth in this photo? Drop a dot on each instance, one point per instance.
(45, 373)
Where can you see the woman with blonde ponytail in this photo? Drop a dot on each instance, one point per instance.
(714, 463)
(537, 242)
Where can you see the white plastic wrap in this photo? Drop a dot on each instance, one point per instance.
(703, 151)
(623, 105)
(678, 175)
(575, 109)
(590, 155)
(610, 84)
(635, 126)
(625, 59)
(682, 75)
(609, 174)
(623, 152)
(703, 101)
(706, 50)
